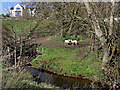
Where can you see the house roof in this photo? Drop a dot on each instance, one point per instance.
(16, 5)
(21, 6)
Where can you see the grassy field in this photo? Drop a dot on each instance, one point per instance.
(69, 61)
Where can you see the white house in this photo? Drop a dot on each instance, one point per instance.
(31, 12)
(17, 11)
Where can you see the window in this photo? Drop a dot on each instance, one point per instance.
(17, 8)
(17, 13)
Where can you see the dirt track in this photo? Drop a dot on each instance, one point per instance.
(45, 41)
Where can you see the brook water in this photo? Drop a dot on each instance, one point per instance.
(58, 80)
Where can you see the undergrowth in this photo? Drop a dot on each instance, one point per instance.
(21, 80)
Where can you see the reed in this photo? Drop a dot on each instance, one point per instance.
(21, 80)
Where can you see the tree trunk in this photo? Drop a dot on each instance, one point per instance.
(98, 33)
(105, 58)
(92, 42)
(21, 46)
(110, 46)
(15, 53)
(61, 33)
(70, 27)
(111, 18)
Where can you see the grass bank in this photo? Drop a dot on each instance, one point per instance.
(69, 61)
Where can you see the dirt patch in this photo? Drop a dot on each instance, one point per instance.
(42, 40)
(45, 41)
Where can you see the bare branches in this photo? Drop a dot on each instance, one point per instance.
(94, 20)
(6, 6)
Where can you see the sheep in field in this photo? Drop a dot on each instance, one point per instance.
(74, 42)
(68, 42)
(71, 42)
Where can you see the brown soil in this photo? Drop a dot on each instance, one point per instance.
(42, 40)
(45, 41)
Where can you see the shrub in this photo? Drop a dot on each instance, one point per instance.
(7, 15)
(3, 15)
(21, 80)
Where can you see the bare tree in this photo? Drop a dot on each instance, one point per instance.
(6, 6)
(106, 36)
(16, 38)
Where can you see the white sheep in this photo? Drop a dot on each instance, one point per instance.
(74, 42)
(68, 41)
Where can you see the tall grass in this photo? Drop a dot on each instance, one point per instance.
(21, 80)
(15, 80)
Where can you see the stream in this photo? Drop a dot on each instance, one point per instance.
(58, 80)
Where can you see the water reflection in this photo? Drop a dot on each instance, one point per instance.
(57, 80)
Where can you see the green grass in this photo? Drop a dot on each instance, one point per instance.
(81, 42)
(55, 53)
(59, 58)
(57, 38)
(78, 37)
